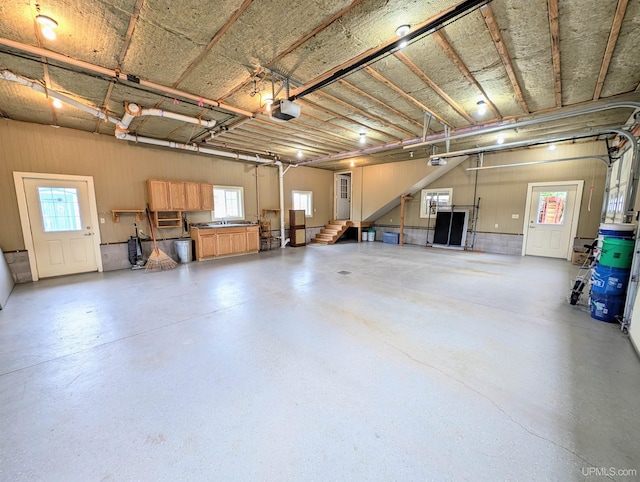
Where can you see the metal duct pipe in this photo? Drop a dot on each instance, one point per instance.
(537, 120)
(281, 172)
(541, 140)
(121, 76)
(10, 76)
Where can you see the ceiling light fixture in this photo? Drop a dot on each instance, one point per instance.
(57, 104)
(482, 107)
(47, 26)
(401, 31)
(551, 147)
(300, 154)
(500, 139)
(363, 137)
(352, 163)
(268, 101)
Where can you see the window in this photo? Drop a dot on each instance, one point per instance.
(303, 200)
(228, 202)
(60, 209)
(551, 207)
(434, 200)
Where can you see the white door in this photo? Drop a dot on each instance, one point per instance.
(343, 196)
(552, 220)
(61, 227)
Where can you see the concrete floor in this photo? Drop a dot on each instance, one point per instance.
(349, 362)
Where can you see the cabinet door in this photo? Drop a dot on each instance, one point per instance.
(176, 196)
(253, 239)
(158, 195)
(206, 196)
(239, 242)
(208, 246)
(192, 196)
(225, 244)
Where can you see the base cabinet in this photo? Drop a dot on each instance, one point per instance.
(219, 242)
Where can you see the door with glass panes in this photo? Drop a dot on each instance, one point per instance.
(61, 227)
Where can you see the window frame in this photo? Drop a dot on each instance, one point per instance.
(424, 212)
(308, 211)
(240, 191)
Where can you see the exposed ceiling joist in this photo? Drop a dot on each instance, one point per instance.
(379, 102)
(364, 113)
(611, 45)
(425, 78)
(127, 37)
(455, 58)
(494, 30)
(267, 129)
(554, 28)
(380, 78)
(330, 139)
(294, 46)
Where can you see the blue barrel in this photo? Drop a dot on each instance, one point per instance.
(609, 281)
(605, 307)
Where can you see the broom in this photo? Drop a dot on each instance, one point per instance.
(158, 259)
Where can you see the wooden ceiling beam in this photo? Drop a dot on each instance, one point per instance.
(365, 113)
(332, 113)
(554, 29)
(455, 58)
(293, 46)
(352, 140)
(611, 45)
(269, 140)
(379, 102)
(214, 40)
(294, 127)
(380, 78)
(277, 131)
(498, 41)
(426, 79)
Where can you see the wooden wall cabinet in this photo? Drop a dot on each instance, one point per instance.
(158, 195)
(192, 196)
(206, 196)
(179, 196)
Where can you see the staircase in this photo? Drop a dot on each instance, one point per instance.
(331, 232)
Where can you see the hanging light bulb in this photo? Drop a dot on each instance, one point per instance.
(268, 100)
(47, 26)
(482, 107)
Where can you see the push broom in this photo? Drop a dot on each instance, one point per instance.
(158, 259)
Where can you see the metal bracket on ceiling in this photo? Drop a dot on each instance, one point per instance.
(278, 79)
(425, 125)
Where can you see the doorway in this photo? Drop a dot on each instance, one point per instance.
(551, 218)
(59, 223)
(343, 196)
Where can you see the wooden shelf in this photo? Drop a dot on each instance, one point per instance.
(275, 211)
(115, 214)
(168, 219)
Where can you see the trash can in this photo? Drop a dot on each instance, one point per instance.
(183, 248)
(371, 235)
(364, 235)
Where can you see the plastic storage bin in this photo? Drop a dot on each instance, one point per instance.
(391, 238)
(617, 253)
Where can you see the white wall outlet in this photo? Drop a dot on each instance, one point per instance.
(495, 225)
(101, 220)
(515, 216)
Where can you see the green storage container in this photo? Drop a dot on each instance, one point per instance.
(616, 253)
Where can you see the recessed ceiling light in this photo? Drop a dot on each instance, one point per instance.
(57, 104)
(47, 26)
(482, 107)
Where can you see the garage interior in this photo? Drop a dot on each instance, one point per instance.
(338, 358)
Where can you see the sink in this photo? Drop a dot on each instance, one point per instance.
(220, 225)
